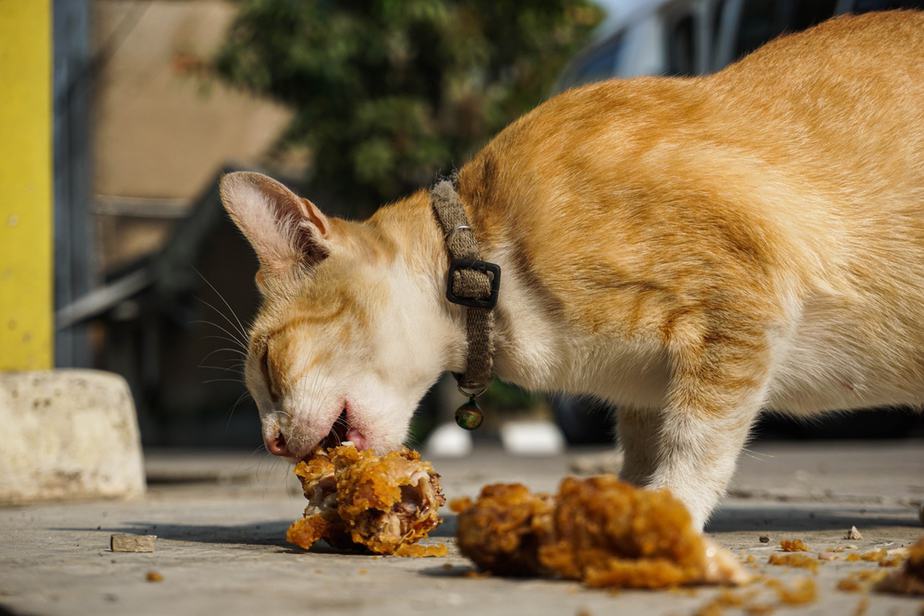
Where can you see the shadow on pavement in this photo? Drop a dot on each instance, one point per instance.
(265, 533)
(271, 532)
(803, 517)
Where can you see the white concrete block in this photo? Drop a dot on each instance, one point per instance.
(68, 434)
(532, 438)
(449, 441)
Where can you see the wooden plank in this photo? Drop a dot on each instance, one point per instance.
(132, 543)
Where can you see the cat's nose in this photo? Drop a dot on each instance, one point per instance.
(277, 446)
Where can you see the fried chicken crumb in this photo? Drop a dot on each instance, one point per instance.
(793, 545)
(358, 499)
(598, 530)
(873, 556)
(909, 580)
(802, 561)
(803, 592)
(722, 600)
(415, 550)
(862, 606)
(860, 580)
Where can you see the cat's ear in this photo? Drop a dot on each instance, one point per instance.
(284, 229)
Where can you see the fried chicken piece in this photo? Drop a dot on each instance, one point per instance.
(502, 532)
(599, 530)
(909, 580)
(356, 498)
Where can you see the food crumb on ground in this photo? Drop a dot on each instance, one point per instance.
(722, 600)
(909, 580)
(873, 556)
(764, 539)
(860, 580)
(802, 561)
(154, 576)
(416, 550)
(862, 606)
(802, 592)
(793, 545)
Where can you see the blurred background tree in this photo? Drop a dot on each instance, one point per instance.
(389, 93)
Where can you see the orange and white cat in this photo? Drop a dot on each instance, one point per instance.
(691, 250)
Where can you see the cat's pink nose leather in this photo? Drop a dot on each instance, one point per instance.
(277, 446)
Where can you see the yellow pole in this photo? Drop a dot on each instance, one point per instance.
(26, 300)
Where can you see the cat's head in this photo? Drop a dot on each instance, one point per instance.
(348, 337)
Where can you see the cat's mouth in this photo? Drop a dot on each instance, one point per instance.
(342, 432)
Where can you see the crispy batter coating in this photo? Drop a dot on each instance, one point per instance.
(909, 580)
(599, 530)
(358, 499)
(502, 532)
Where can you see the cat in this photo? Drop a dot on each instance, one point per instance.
(691, 250)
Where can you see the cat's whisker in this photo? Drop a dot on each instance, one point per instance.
(234, 337)
(238, 381)
(226, 339)
(757, 455)
(240, 326)
(224, 350)
(234, 407)
(231, 324)
(222, 368)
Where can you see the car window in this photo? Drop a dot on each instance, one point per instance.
(601, 63)
(764, 20)
(681, 47)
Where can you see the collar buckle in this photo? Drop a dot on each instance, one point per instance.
(461, 271)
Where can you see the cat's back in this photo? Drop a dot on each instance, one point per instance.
(850, 90)
(794, 177)
(864, 45)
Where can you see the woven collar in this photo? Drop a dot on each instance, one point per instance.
(471, 283)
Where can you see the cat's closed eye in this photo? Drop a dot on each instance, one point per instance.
(268, 374)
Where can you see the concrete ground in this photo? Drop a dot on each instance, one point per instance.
(220, 521)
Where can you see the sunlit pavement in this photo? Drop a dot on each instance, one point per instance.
(220, 521)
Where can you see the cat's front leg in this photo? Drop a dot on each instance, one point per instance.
(714, 397)
(637, 433)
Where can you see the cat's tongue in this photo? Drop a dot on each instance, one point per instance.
(355, 436)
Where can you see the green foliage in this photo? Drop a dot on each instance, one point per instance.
(389, 93)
